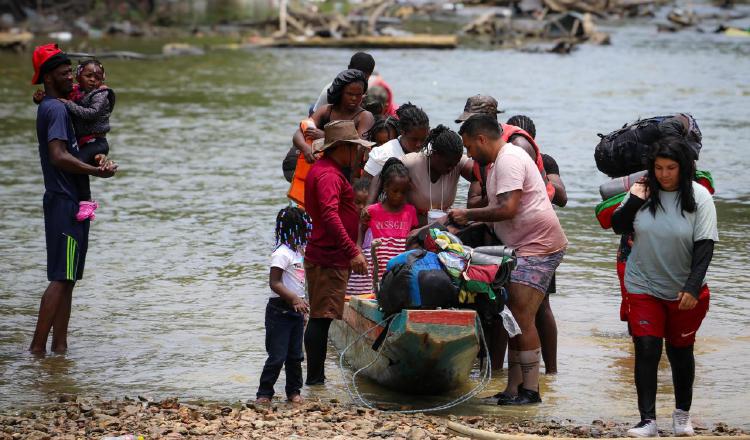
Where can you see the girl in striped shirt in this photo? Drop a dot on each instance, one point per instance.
(362, 284)
(391, 219)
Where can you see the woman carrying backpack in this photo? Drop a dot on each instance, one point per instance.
(674, 223)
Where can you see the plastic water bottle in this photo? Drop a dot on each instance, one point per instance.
(125, 437)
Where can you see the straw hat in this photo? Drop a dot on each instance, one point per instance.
(339, 131)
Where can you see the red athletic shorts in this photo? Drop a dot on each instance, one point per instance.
(650, 316)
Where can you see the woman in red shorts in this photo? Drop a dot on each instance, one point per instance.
(674, 224)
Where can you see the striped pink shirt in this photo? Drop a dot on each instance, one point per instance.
(391, 228)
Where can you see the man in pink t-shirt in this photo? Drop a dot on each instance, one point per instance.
(522, 217)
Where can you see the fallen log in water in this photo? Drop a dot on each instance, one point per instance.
(417, 41)
(15, 40)
(123, 55)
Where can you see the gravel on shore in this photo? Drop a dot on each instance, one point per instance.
(74, 417)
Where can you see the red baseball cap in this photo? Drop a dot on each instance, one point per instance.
(46, 58)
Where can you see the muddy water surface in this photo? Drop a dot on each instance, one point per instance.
(176, 278)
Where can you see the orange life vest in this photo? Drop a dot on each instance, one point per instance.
(510, 131)
(297, 188)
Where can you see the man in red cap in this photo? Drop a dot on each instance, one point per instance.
(67, 239)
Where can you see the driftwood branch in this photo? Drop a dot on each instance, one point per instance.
(379, 10)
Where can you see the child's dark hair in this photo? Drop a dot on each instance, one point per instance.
(445, 142)
(362, 185)
(392, 168)
(293, 227)
(383, 123)
(82, 64)
(676, 149)
(524, 122)
(410, 117)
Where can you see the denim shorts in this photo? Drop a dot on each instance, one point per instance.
(536, 271)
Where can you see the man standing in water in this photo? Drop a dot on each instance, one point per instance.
(67, 239)
(523, 218)
(331, 250)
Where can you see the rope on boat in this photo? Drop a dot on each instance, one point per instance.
(356, 396)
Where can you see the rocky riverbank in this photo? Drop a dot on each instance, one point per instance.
(74, 417)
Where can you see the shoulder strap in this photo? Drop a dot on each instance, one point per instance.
(327, 118)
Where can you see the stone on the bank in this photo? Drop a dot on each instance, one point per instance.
(37, 435)
(197, 431)
(131, 410)
(40, 427)
(106, 421)
(416, 433)
(209, 415)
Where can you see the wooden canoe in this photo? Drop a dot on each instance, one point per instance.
(425, 352)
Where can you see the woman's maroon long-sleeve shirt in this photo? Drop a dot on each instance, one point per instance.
(329, 199)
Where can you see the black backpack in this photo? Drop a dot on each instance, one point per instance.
(626, 151)
(415, 280)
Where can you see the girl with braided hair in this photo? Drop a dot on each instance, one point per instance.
(435, 171)
(384, 130)
(287, 307)
(392, 218)
(413, 128)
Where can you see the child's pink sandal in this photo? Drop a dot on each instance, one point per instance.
(86, 210)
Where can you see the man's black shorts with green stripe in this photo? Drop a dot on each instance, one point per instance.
(67, 239)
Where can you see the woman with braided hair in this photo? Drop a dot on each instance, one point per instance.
(435, 171)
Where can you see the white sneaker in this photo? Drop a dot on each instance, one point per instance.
(681, 424)
(646, 428)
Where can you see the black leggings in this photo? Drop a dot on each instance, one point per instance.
(647, 354)
(86, 154)
(316, 346)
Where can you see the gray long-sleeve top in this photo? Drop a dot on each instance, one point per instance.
(91, 114)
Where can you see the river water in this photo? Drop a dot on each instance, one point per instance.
(176, 278)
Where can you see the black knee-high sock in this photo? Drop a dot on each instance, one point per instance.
(316, 346)
(647, 355)
(682, 361)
